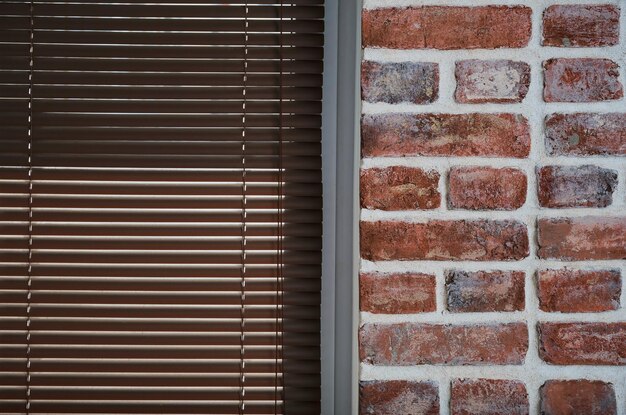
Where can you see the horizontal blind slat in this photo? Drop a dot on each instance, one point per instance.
(160, 243)
(158, 51)
(200, 176)
(172, 92)
(71, 77)
(134, 37)
(205, 66)
(163, 380)
(189, 24)
(174, 106)
(109, 9)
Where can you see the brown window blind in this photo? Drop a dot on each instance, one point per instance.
(160, 206)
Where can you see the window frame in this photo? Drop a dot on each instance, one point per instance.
(340, 160)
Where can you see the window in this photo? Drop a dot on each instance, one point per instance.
(160, 243)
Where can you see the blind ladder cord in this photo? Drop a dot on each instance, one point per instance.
(242, 350)
(30, 207)
(279, 358)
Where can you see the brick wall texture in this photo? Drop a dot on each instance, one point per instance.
(493, 211)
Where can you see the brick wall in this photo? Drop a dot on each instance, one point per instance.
(493, 225)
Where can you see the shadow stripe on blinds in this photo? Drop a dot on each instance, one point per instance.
(160, 206)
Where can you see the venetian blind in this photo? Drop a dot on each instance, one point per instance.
(160, 206)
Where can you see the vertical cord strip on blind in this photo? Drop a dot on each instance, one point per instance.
(29, 281)
(244, 201)
(279, 258)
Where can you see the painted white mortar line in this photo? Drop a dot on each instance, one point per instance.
(442, 106)
(519, 216)
(447, 87)
(441, 297)
(518, 372)
(444, 394)
(531, 53)
(488, 318)
(620, 382)
(440, 294)
(443, 163)
(434, 266)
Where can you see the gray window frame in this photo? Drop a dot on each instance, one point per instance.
(340, 160)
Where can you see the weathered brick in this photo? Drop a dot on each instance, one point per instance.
(484, 188)
(488, 135)
(581, 80)
(399, 188)
(583, 343)
(467, 240)
(394, 397)
(571, 291)
(395, 82)
(404, 344)
(488, 397)
(497, 81)
(397, 293)
(485, 291)
(441, 27)
(575, 186)
(572, 397)
(585, 134)
(581, 25)
(584, 238)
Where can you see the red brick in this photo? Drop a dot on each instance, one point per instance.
(576, 186)
(395, 82)
(394, 397)
(571, 291)
(405, 344)
(484, 188)
(488, 135)
(581, 25)
(488, 397)
(399, 188)
(497, 81)
(485, 291)
(581, 80)
(440, 27)
(463, 240)
(584, 238)
(571, 397)
(397, 293)
(583, 343)
(585, 134)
